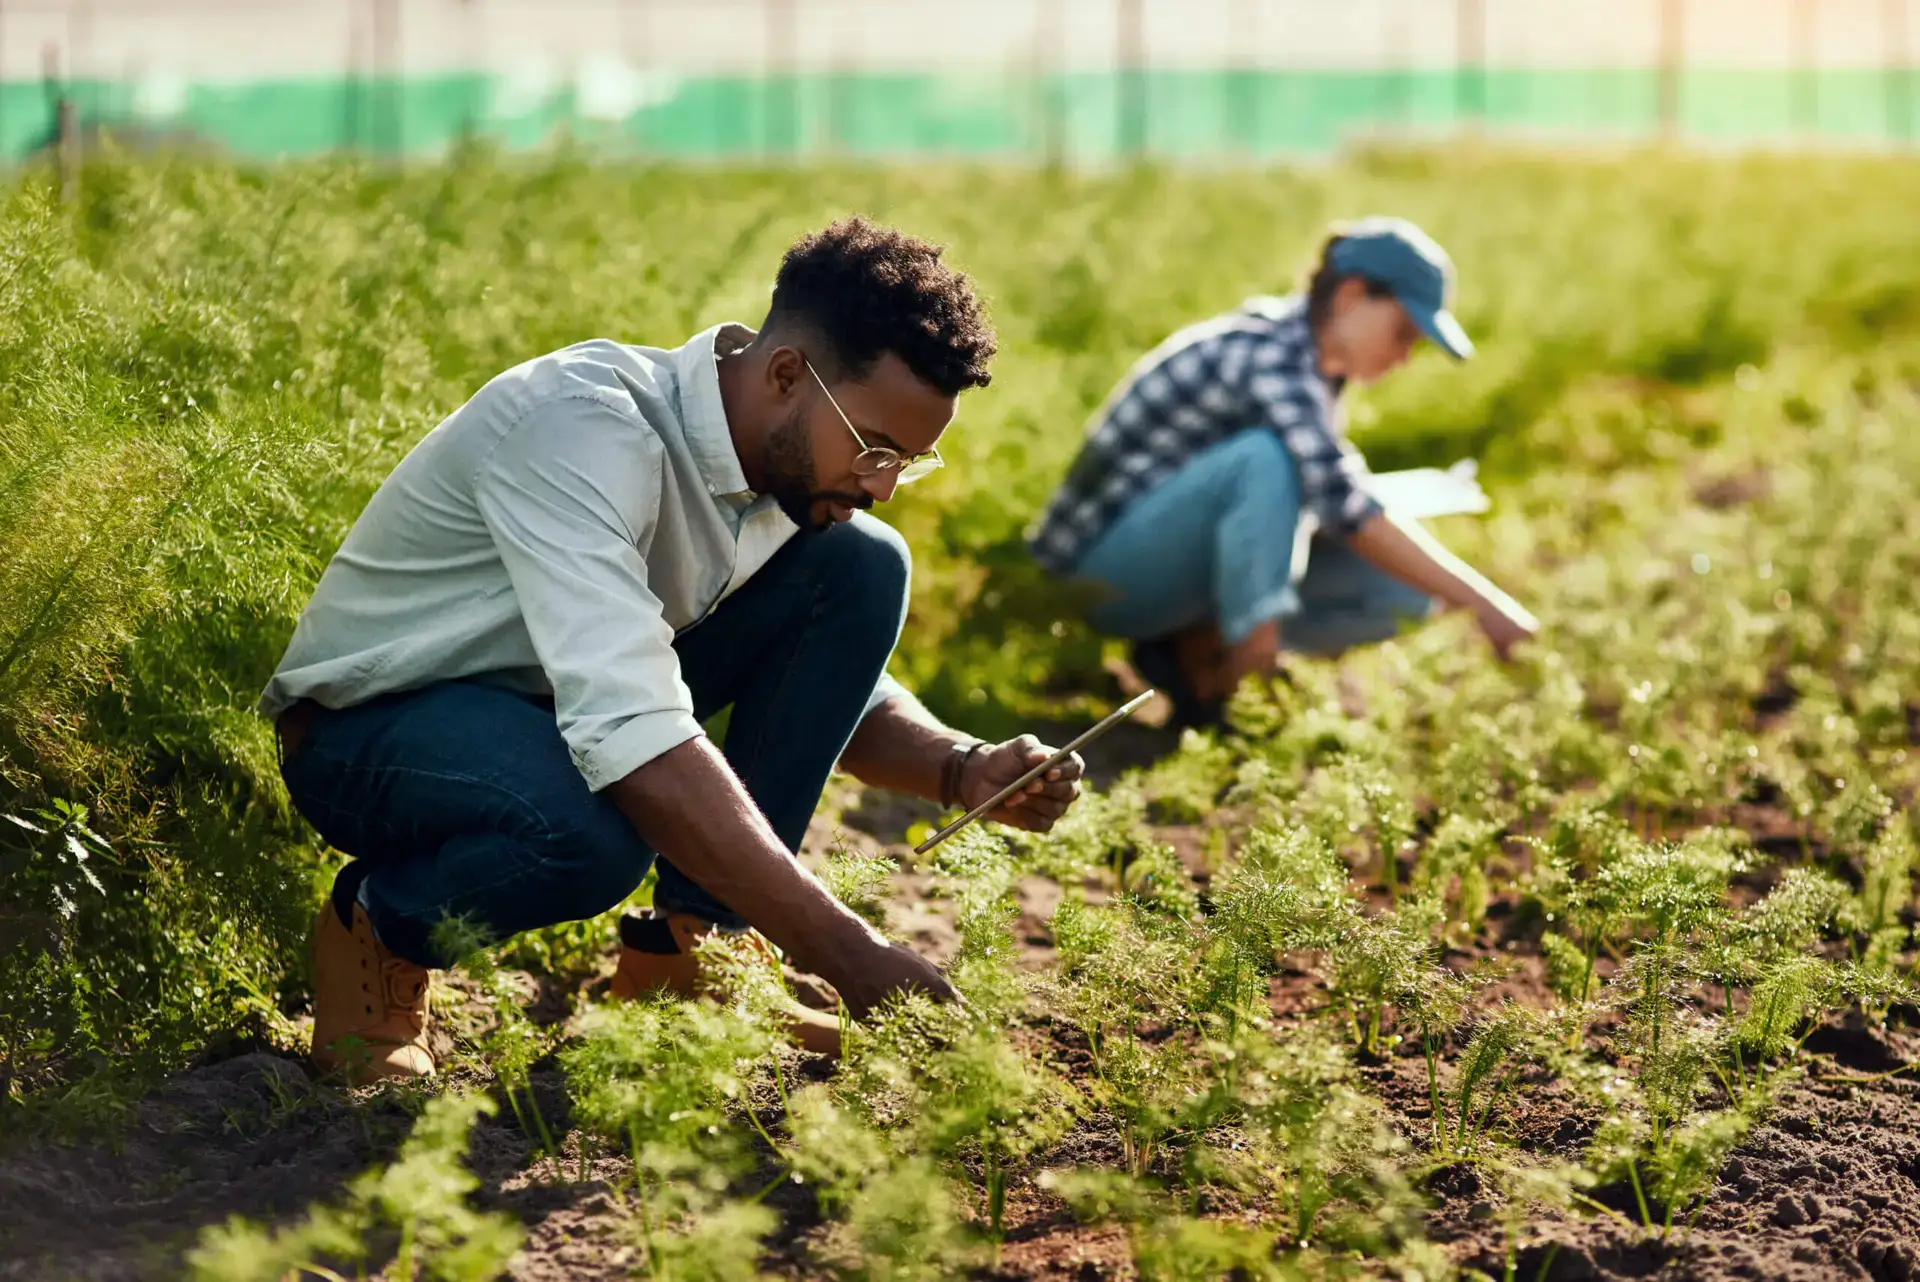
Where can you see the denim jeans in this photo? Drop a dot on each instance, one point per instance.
(460, 800)
(1216, 542)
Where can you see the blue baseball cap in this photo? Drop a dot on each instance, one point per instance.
(1409, 263)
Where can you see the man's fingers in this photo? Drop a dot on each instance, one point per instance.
(1046, 810)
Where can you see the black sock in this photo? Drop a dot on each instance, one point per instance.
(1156, 663)
(346, 888)
(647, 934)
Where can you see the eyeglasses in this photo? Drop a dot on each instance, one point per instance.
(875, 459)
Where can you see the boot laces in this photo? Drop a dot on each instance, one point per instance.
(406, 986)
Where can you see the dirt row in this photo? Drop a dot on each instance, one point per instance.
(1828, 1188)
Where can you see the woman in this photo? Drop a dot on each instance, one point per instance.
(1217, 511)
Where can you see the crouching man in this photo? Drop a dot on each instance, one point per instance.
(493, 703)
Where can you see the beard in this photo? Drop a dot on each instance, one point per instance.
(790, 481)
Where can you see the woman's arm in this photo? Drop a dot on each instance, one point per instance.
(1404, 549)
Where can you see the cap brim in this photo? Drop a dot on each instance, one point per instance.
(1440, 326)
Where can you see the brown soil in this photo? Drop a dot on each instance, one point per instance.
(1829, 1188)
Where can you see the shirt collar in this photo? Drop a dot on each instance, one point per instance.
(703, 414)
(1289, 315)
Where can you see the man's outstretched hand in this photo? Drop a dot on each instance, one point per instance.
(1507, 624)
(879, 971)
(1035, 807)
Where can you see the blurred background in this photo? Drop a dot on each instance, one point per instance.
(1070, 81)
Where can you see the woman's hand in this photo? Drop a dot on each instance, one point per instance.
(1507, 624)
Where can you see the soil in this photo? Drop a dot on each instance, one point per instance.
(1829, 1187)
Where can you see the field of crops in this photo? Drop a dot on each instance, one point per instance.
(1594, 965)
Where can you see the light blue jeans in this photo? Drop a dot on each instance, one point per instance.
(1215, 542)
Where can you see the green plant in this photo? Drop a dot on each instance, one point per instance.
(1287, 1121)
(860, 881)
(513, 1044)
(895, 1217)
(1484, 1074)
(210, 368)
(1886, 887)
(1166, 1243)
(1456, 864)
(661, 1076)
(46, 859)
(421, 1197)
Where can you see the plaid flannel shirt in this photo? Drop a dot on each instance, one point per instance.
(1250, 368)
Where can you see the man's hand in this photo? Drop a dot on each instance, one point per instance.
(688, 802)
(1035, 807)
(1506, 626)
(865, 981)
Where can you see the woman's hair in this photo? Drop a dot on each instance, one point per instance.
(1325, 279)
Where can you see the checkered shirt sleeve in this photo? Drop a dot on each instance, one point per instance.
(1297, 405)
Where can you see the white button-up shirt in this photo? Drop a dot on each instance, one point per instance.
(553, 535)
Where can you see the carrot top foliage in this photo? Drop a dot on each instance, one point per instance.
(1635, 868)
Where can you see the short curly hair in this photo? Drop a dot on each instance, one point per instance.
(865, 290)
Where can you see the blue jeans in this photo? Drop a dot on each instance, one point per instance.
(460, 800)
(1214, 542)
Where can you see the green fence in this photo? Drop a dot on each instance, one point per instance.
(1073, 116)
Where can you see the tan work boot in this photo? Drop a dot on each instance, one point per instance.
(369, 1006)
(643, 972)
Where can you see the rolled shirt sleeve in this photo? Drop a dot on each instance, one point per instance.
(571, 525)
(1357, 505)
(884, 689)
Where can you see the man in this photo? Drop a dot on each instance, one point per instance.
(1188, 518)
(494, 701)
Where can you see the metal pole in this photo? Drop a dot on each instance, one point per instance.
(1672, 61)
(1806, 97)
(843, 62)
(350, 99)
(636, 51)
(3, 117)
(389, 129)
(1130, 18)
(1247, 67)
(1470, 61)
(474, 40)
(1899, 84)
(781, 97)
(1397, 66)
(63, 120)
(1048, 36)
(79, 59)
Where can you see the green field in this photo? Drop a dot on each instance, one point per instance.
(1264, 1028)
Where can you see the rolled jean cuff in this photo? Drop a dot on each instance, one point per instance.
(1281, 603)
(679, 894)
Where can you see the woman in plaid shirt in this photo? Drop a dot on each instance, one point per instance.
(1191, 509)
